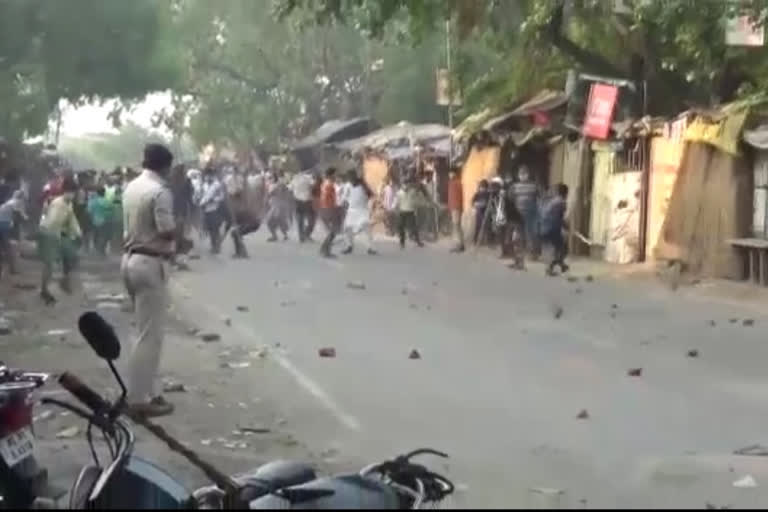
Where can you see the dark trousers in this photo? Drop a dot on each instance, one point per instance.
(556, 240)
(479, 220)
(330, 219)
(305, 219)
(408, 221)
(212, 221)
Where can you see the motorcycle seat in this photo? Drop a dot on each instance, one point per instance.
(273, 476)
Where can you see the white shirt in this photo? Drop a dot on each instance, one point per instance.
(213, 195)
(342, 190)
(356, 197)
(301, 186)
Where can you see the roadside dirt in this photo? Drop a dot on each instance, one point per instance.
(218, 411)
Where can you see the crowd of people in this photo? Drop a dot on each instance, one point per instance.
(149, 217)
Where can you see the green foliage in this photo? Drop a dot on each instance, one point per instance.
(78, 50)
(676, 46)
(257, 81)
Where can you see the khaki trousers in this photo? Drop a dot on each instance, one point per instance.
(146, 280)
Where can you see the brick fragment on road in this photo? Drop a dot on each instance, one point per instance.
(635, 372)
(733, 320)
(227, 321)
(327, 352)
(583, 415)
(693, 353)
(254, 429)
(356, 285)
(210, 337)
(414, 354)
(748, 322)
(68, 433)
(174, 387)
(242, 309)
(557, 311)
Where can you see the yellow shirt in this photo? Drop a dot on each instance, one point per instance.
(59, 219)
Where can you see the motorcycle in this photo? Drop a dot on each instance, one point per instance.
(130, 482)
(22, 480)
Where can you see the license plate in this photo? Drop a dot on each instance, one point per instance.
(17, 446)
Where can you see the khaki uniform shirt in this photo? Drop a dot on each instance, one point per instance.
(147, 212)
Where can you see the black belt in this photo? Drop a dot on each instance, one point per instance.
(149, 252)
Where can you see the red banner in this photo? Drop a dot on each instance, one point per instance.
(602, 101)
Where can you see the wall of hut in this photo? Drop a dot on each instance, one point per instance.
(666, 157)
(481, 164)
(711, 202)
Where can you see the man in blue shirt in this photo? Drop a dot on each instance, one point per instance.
(552, 225)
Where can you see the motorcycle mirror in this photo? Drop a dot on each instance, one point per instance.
(100, 335)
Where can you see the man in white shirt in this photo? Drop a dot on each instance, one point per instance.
(301, 186)
(211, 202)
(356, 197)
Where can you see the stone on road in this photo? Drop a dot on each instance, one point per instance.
(504, 374)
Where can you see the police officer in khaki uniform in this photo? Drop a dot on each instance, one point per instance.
(149, 245)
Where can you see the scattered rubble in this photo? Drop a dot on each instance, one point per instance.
(693, 353)
(327, 352)
(43, 416)
(227, 321)
(733, 320)
(748, 322)
(242, 309)
(174, 387)
(589, 278)
(745, 482)
(58, 332)
(210, 337)
(557, 311)
(583, 415)
(572, 279)
(254, 429)
(68, 433)
(237, 365)
(635, 372)
(5, 327)
(205, 442)
(356, 285)
(415, 354)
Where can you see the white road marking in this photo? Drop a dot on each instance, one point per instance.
(306, 382)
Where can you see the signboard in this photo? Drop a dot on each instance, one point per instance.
(443, 81)
(742, 31)
(600, 107)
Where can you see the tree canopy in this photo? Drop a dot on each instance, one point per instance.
(79, 50)
(677, 47)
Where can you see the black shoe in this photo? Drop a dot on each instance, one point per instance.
(348, 250)
(564, 268)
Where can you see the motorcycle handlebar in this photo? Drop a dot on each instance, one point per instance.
(85, 394)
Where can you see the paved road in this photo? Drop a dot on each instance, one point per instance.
(501, 380)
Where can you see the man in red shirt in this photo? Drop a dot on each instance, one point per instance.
(456, 207)
(328, 211)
